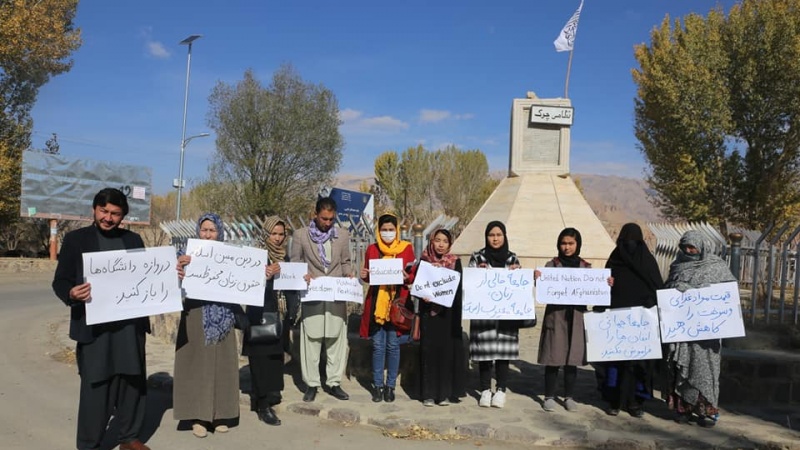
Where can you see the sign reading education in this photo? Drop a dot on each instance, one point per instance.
(225, 273)
(383, 272)
(331, 289)
(570, 286)
(291, 277)
(622, 334)
(127, 284)
(498, 294)
(712, 312)
(437, 284)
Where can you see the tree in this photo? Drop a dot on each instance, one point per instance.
(717, 111)
(276, 146)
(462, 181)
(36, 40)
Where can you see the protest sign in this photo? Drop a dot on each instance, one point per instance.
(331, 289)
(383, 272)
(131, 283)
(498, 294)
(712, 312)
(225, 273)
(571, 286)
(291, 277)
(622, 334)
(437, 284)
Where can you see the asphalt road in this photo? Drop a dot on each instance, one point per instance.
(39, 394)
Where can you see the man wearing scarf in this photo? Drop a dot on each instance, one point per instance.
(326, 250)
(110, 356)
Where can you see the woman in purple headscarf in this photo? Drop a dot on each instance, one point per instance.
(206, 376)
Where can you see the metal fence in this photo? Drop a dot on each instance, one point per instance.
(765, 263)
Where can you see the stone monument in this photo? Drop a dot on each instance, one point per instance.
(538, 198)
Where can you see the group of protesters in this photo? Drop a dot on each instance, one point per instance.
(111, 356)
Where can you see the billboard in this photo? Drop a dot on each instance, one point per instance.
(57, 187)
(351, 205)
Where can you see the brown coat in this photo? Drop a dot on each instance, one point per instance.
(562, 343)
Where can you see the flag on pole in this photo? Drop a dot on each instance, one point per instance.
(566, 40)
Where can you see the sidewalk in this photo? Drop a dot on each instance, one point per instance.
(522, 420)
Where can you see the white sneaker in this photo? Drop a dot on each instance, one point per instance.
(486, 399)
(499, 399)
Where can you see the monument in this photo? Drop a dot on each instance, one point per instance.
(538, 198)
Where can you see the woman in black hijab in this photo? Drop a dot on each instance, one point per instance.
(627, 384)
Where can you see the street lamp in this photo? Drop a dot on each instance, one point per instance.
(179, 182)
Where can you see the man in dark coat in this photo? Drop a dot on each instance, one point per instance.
(110, 356)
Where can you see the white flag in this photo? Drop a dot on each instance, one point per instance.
(566, 40)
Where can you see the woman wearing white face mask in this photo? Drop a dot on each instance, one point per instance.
(375, 323)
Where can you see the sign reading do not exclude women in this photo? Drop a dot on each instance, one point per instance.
(436, 284)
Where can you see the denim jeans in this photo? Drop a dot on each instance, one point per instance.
(385, 354)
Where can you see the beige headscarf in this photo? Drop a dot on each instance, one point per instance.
(276, 253)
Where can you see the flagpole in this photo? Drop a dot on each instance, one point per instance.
(569, 68)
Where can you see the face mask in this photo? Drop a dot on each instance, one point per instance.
(388, 236)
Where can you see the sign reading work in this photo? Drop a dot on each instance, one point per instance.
(131, 283)
(712, 312)
(622, 334)
(498, 294)
(56, 187)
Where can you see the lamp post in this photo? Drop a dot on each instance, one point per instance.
(179, 182)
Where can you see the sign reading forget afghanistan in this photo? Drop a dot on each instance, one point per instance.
(498, 294)
(225, 273)
(622, 334)
(127, 284)
(712, 312)
(570, 286)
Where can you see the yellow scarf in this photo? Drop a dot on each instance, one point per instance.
(383, 299)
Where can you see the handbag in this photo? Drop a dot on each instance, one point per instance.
(401, 317)
(268, 331)
(527, 323)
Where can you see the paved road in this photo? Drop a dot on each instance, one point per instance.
(39, 394)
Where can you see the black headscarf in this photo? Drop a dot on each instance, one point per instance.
(635, 271)
(575, 259)
(496, 257)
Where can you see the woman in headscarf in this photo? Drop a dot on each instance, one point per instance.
(206, 376)
(627, 384)
(442, 362)
(494, 342)
(266, 359)
(563, 341)
(375, 322)
(693, 367)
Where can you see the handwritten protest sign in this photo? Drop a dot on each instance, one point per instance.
(330, 289)
(225, 273)
(384, 272)
(131, 283)
(290, 278)
(570, 286)
(498, 294)
(437, 284)
(712, 312)
(622, 334)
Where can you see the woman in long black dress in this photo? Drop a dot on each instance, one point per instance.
(442, 357)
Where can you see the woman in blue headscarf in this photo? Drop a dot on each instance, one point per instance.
(206, 376)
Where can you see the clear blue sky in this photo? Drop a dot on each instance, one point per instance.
(431, 72)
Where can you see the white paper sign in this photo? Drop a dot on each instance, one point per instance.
(622, 334)
(225, 273)
(384, 272)
(571, 286)
(498, 294)
(290, 278)
(712, 312)
(330, 289)
(437, 284)
(131, 283)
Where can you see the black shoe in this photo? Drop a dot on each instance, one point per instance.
(377, 393)
(269, 417)
(310, 395)
(388, 394)
(338, 392)
(682, 418)
(637, 412)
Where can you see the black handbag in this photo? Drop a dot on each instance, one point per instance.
(527, 323)
(268, 331)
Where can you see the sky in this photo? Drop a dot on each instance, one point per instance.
(430, 72)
